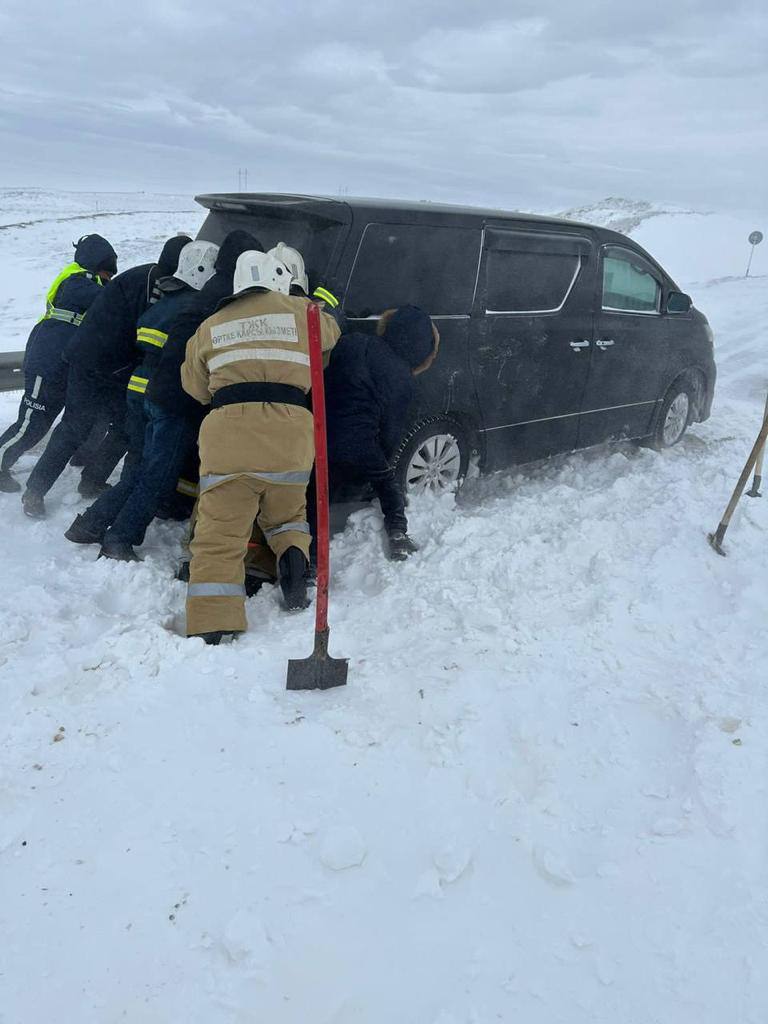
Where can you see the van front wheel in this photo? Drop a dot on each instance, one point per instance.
(433, 456)
(676, 413)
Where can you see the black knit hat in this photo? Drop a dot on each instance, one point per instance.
(409, 332)
(169, 257)
(94, 253)
(233, 246)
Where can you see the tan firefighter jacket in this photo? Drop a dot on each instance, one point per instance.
(260, 336)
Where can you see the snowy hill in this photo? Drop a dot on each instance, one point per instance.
(625, 215)
(693, 246)
(542, 797)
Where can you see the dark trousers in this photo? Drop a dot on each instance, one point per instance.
(343, 476)
(159, 445)
(104, 447)
(87, 396)
(41, 403)
(111, 445)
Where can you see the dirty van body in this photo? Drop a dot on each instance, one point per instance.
(555, 335)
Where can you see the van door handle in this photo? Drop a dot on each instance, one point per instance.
(577, 345)
(605, 342)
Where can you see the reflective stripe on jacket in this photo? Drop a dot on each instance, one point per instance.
(138, 384)
(259, 336)
(152, 333)
(54, 312)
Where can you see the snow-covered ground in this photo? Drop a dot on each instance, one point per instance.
(37, 229)
(542, 797)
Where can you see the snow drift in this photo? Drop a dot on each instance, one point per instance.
(541, 798)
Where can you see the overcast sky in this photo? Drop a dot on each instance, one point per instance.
(540, 105)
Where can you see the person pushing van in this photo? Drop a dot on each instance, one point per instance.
(369, 387)
(250, 362)
(45, 372)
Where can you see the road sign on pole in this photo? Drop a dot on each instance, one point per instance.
(755, 238)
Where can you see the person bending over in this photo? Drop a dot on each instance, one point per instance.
(70, 296)
(369, 388)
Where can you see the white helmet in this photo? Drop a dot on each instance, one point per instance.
(261, 270)
(196, 263)
(293, 259)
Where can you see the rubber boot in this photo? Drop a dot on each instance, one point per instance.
(7, 482)
(400, 546)
(118, 550)
(91, 488)
(255, 580)
(310, 573)
(292, 569)
(33, 505)
(214, 639)
(83, 531)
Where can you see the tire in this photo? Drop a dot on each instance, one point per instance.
(676, 413)
(433, 456)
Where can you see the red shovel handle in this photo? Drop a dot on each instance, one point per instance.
(321, 464)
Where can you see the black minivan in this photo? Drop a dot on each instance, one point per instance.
(555, 335)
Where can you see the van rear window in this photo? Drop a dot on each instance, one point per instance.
(314, 236)
(413, 264)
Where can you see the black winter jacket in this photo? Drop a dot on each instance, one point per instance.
(368, 389)
(165, 388)
(105, 343)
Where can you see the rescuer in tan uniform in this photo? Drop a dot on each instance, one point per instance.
(250, 362)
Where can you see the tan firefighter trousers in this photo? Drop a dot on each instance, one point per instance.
(226, 513)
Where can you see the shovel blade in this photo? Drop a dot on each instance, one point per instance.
(715, 542)
(316, 673)
(319, 671)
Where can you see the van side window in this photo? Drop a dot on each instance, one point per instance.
(526, 272)
(629, 285)
(413, 264)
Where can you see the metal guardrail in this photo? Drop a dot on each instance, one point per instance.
(11, 377)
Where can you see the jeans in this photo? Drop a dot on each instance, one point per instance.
(159, 443)
(105, 509)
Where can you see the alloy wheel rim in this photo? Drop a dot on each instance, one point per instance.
(435, 464)
(676, 419)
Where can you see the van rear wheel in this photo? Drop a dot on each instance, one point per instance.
(433, 456)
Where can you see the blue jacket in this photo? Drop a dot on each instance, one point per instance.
(165, 385)
(69, 297)
(50, 337)
(152, 329)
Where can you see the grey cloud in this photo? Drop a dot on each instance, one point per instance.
(537, 104)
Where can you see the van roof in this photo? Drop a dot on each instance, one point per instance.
(241, 201)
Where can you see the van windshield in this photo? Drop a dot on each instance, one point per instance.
(315, 236)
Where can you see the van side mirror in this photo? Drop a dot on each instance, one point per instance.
(679, 302)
